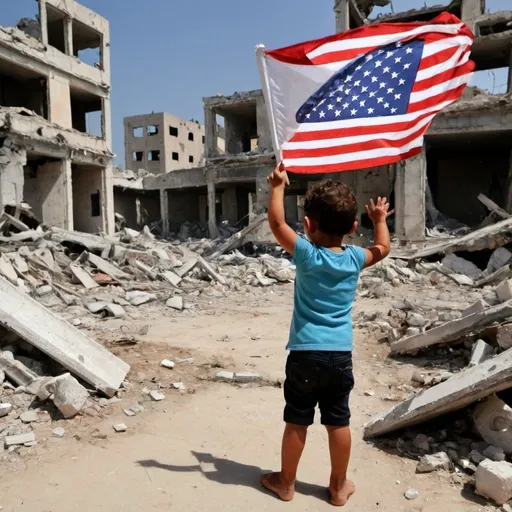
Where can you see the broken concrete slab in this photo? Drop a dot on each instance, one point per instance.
(61, 341)
(170, 277)
(106, 267)
(434, 462)
(452, 331)
(496, 277)
(481, 352)
(504, 290)
(461, 266)
(5, 409)
(479, 305)
(83, 276)
(90, 242)
(29, 417)
(69, 395)
(224, 376)
(210, 271)
(7, 270)
(29, 437)
(187, 267)
(115, 310)
(147, 270)
(136, 298)
(499, 258)
(504, 336)
(494, 480)
(175, 303)
(246, 377)
(16, 370)
(463, 389)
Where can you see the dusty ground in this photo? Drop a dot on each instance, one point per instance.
(206, 449)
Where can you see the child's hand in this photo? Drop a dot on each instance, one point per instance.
(380, 211)
(278, 177)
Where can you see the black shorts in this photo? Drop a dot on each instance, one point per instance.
(318, 378)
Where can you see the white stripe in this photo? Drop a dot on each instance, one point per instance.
(344, 141)
(382, 40)
(352, 157)
(370, 121)
(451, 63)
(438, 46)
(416, 97)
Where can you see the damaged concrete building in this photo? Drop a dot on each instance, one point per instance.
(467, 150)
(55, 117)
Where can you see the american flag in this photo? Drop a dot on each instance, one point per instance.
(366, 97)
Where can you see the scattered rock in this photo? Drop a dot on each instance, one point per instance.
(412, 494)
(436, 462)
(120, 427)
(416, 320)
(5, 409)
(494, 480)
(225, 376)
(58, 432)
(156, 395)
(476, 456)
(167, 364)
(494, 453)
(129, 412)
(136, 298)
(369, 392)
(29, 417)
(422, 443)
(245, 377)
(69, 395)
(28, 437)
(175, 303)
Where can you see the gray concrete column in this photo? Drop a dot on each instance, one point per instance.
(264, 134)
(12, 179)
(212, 217)
(410, 191)
(68, 35)
(164, 212)
(262, 191)
(470, 10)
(230, 205)
(69, 221)
(210, 132)
(108, 194)
(342, 10)
(43, 18)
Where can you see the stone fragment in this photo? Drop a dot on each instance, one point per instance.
(175, 303)
(245, 377)
(44, 290)
(129, 412)
(494, 453)
(136, 298)
(156, 395)
(412, 494)
(506, 508)
(435, 462)
(179, 385)
(494, 480)
(476, 456)
(167, 364)
(504, 290)
(5, 409)
(225, 376)
(499, 258)
(416, 320)
(461, 266)
(69, 395)
(29, 417)
(58, 432)
(369, 392)
(479, 305)
(422, 443)
(480, 352)
(28, 437)
(115, 310)
(16, 370)
(137, 409)
(120, 427)
(504, 336)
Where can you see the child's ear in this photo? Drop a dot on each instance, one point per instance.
(354, 228)
(310, 225)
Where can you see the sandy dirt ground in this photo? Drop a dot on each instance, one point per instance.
(204, 450)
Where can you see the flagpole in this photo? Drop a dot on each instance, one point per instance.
(262, 65)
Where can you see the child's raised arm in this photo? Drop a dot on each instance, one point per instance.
(285, 235)
(378, 213)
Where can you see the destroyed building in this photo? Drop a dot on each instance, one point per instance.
(162, 142)
(55, 117)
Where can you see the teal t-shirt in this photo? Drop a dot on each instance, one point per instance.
(325, 289)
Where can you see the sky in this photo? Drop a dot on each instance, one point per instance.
(166, 55)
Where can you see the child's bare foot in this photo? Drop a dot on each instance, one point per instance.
(274, 483)
(339, 497)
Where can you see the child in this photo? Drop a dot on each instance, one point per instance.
(319, 367)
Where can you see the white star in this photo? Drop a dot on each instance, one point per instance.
(361, 103)
(321, 103)
(354, 98)
(390, 90)
(345, 105)
(380, 100)
(398, 96)
(378, 63)
(393, 110)
(314, 109)
(347, 91)
(398, 59)
(338, 99)
(382, 85)
(330, 107)
(367, 73)
(364, 89)
(340, 88)
(370, 110)
(386, 105)
(348, 78)
(394, 75)
(372, 94)
(353, 112)
(332, 94)
(308, 116)
(398, 45)
(401, 81)
(374, 79)
(357, 83)
(389, 54)
(322, 114)
(409, 50)
(386, 70)
(338, 113)
(407, 66)
(369, 57)
(359, 67)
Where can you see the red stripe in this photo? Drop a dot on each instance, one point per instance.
(357, 130)
(297, 54)
(352, 166)
(354, 148)
(438, 58)
(441, 78)
(451, 95)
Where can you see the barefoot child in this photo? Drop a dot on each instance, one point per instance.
(319, 367)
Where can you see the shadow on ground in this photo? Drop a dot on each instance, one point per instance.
(229, 472)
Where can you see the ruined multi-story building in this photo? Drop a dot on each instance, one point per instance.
(467, 148)
(55, 117)
(162, 143)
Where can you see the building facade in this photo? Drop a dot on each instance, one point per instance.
(55, 117)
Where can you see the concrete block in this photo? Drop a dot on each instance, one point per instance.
(494, 453)
(60, 340)
(16, 370)
(83, 276)
(58, 432)
(493, 421)
(504, 290)
(461, 266)
(416, 320)
(454, 330)
(187, 267)
(120, 427)
(464, 388)
(499, 258)
(225, 376)
(504, 336)
(29, 417)
(29, 437)
(69, 395)
(129, 412)
(170, 277)
(167, 364)
(44, 290)
(175, 303)
(106, 267)
(479, 305)
(156, 396)
(480, 352)
(5, 409)
(136, 298)
(115, 310)
(435, 462)
(245, 377)
(494, 480)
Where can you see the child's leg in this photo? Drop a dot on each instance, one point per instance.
(340, 442)
(283, 483)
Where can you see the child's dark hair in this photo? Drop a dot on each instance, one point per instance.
(333, 206)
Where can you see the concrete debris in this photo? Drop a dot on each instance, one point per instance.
(504, 336)
(499, 258)
(83, 276)
(18, 439)
(16, 370)
(504, 291)
(136, 298)
(167, 364)
(422, 443)
(494, 453)
(175, 303)
(476, 456)
(156, 396)
(225, 376)
(120, 427)
(479, 305)
(494, 480)
(69, 395)
(29, 417)
(245, 377)
(412, 494)
(435, 462)
(461, 266)
(5, 409)
(481, 351)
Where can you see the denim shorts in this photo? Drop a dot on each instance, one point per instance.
(318, 378)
